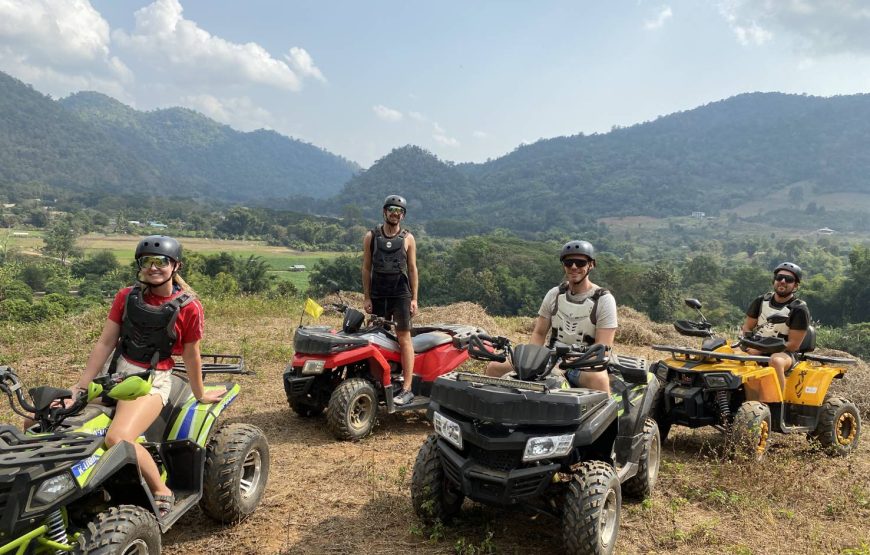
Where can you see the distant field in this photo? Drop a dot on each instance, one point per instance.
(279, 259)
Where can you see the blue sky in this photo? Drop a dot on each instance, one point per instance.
(465, 80)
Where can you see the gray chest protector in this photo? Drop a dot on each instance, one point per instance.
(768, 329)
(388, 253)
(572, 322)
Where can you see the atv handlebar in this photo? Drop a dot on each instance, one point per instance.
(694, 329)
(478, 349)
(593, 357)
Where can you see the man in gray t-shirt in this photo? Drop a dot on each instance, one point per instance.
(578, 311)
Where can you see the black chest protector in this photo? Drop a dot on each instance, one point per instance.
(388, 253)
(149, 331)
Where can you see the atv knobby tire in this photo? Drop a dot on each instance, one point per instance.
(307, 409)
(750, 431)
(236, 472)
(434, 497)
(640, 485)
(590, 517)
(126, 529)
(352, 410)
(839, 427)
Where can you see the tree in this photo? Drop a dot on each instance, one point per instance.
(662, 297)
(60, 240)
(253, 275)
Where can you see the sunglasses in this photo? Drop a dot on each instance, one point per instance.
(579, 262)
(395, 210)
(785, 277)
(159, 261)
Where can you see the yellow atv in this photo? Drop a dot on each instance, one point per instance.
(740, 394)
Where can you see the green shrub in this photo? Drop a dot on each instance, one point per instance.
(16, 310)
(14, 289)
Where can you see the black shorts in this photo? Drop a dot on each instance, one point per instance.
(397, 309)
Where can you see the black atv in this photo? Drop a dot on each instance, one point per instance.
(531, 440)
(63, 490)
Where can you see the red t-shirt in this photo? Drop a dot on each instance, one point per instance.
(188, 325)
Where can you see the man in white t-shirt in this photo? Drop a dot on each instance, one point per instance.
(575, 312)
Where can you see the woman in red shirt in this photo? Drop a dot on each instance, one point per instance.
(148, 323)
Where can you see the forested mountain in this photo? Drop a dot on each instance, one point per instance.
(89, 141)
(752, 147)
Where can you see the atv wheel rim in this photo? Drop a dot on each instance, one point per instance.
(360, 412)
(608, 519)
(763, 433)
(136, 547)
(846, 428)
(252, 468)
(652, 462)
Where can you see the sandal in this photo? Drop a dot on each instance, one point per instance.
(164, 503)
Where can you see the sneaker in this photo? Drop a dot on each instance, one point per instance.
(403, 397)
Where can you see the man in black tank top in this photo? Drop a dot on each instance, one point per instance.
(389, 277)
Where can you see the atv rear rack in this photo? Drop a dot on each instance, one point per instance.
(829, 359)
(710, 354)
(504, 382)
(217, 364)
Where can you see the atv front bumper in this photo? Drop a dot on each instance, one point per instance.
(296, 386)
(495, 487)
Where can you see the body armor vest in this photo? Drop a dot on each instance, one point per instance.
(767, 329)
(149, 331)
(388, 253)
(573, 322)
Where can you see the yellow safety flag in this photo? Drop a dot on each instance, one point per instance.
(312, 308)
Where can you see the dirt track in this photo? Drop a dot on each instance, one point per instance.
(331, 497)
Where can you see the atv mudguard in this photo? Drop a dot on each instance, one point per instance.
(378, 365)
(629, 439)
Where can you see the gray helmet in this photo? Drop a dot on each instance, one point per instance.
(577, 247)
(396, 200)
(791, 267)
(159, 244)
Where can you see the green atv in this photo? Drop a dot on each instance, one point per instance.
(62, 490)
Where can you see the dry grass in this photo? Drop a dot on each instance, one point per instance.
(330, 497)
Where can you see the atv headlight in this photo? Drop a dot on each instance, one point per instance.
(715, 380)
(547, 447)
(50, 490)
(448, 429)
(312, 367)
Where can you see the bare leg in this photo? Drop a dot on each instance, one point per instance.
(780, 362)
(595, 380)
(132, 418)
(498, 369)
(407, 347)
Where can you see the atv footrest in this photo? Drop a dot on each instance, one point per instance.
(184, 501)
(419, 402)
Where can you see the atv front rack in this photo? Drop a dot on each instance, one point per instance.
(702, 355)
(504, 382)
(217, 364)
(18, 449)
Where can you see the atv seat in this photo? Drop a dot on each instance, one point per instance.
(429, 340)
(179, 393)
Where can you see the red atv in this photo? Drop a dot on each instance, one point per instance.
(352, 371)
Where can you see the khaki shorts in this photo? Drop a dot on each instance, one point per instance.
(161, 385)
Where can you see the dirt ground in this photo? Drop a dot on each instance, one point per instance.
(330, 497)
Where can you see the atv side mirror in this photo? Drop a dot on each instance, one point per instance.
(693, 303)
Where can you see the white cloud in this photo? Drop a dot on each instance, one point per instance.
(387, 114)
(480, 134)
(58, 45)
(417, 116)
(179, 48)
(664, 14)
(446, 141)
(818, 27)
(301, 61)
(238, 112)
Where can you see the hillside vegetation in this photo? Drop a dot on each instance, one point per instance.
(90, 142)
(332, 497)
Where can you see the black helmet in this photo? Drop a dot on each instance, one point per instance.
(396, 200)
(791, 267)
(159, 244)
(577, 247)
